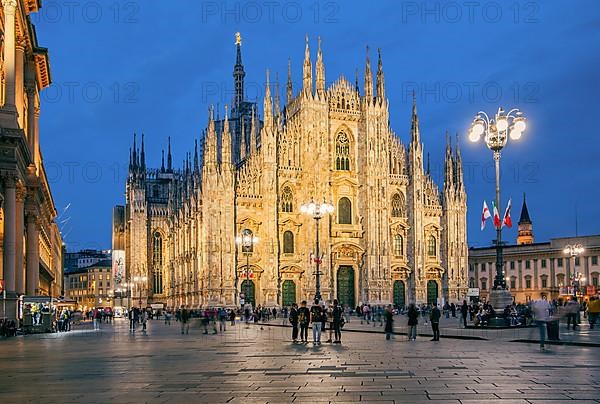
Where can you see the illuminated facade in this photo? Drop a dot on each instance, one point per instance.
(393, 237)
(31, 242)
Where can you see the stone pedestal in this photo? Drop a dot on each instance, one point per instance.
(499, 299)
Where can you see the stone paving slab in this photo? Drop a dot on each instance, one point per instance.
(262, 366)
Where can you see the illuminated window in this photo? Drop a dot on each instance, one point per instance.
(157, 262)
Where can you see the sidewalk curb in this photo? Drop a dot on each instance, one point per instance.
(462, 337)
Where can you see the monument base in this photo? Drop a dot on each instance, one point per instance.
(499, 299)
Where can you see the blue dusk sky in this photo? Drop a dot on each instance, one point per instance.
(155, 67)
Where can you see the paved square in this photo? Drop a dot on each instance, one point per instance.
(251, 365)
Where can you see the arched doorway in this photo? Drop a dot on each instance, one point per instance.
(399, 294)
(432, 292)
(345, 286)
(248, 289)
(288, 293)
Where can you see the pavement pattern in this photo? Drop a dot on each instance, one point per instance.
(251, 365)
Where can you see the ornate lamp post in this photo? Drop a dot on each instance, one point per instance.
(317, 211)
(246, 240)
(138, 281)
(495, 133)
(573, 250)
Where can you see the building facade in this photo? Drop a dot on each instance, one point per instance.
(30, 239)
(91, 286)
(393, 235)
(538, 269)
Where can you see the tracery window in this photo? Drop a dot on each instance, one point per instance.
(342, 152)
(397, 205)
(432, 246)
(398, 245)
(157, 262)
(287, 200)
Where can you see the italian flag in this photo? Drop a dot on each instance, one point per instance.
(497, 223)
(485, 215)
(507, 221)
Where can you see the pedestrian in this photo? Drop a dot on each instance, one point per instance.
(413, 320)
(144, 319)
(184, 316)
(303, 320)
(389, 322)
(337, 315)
(541, 313)
(222, 319)
(572, 309)
(293, 318)
(316, 317)
(464, 309)
(435, 320)
(453, 309)
(593, 311)
(232, 317)
(168, 318)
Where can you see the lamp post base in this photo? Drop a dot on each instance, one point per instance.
(500, 298)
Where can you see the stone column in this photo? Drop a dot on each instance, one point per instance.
(33, 254)
(19, 79)
(9, 233)
(10, 7)
(20, 194)
(32, 118)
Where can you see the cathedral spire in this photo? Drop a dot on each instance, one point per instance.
(458, 166)
(320, 72)
(130, 163)
(289, 89)
(169, 158)
(162, 164)
(414, 129)
(238, 73)
(368, 79)
(143, 156)
(277, 107)
(356, 83)
(226, 141)
(196, 164)
(253, 131)
(448, 165)
(211, 140)
(134, 164)
(268, 104)
(307, 71)
(380, 79)
(243, 148)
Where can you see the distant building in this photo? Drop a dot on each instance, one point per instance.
(84, 258)
(91, 286)
(538, 269)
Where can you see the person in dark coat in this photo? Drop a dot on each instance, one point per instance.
(435, 321)
(294, 322)
(464, 309)
(389, 322)
(413, 320)
(337, 317)
(303, 321)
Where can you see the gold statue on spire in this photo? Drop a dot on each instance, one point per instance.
(238, 38)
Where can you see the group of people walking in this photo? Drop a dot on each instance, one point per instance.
(318, 316)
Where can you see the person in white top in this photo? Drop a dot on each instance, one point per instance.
(541, 312)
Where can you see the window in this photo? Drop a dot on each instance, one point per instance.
(527, 283)
(397, 205)
(544, 282)
(577, 261)
(431, 246)
(286, 200)
(345, 211)
(560, 279)
(342, 152)
(527, 264)
(108, 277)
(288, 242)
(559, 262)
(483, 267)
(595, 260)
(512, 265)
(595, 281)
(484, 284)
(472, 282)
(398, 245)
(100, 277)
(100, 284)
(157, 261)
(513, 282)
(543, 263)
(100, 292)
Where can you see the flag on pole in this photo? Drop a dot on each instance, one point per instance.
(496, 216)
(507, 221)
(485, 215)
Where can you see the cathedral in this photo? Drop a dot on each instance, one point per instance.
(393, 235)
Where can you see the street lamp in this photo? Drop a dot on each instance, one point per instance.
(246, 240)
(573, 250)
(138, 280)
(495, 133)
(317, 211)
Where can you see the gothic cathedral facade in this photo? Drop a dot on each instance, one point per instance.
(393, 237)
